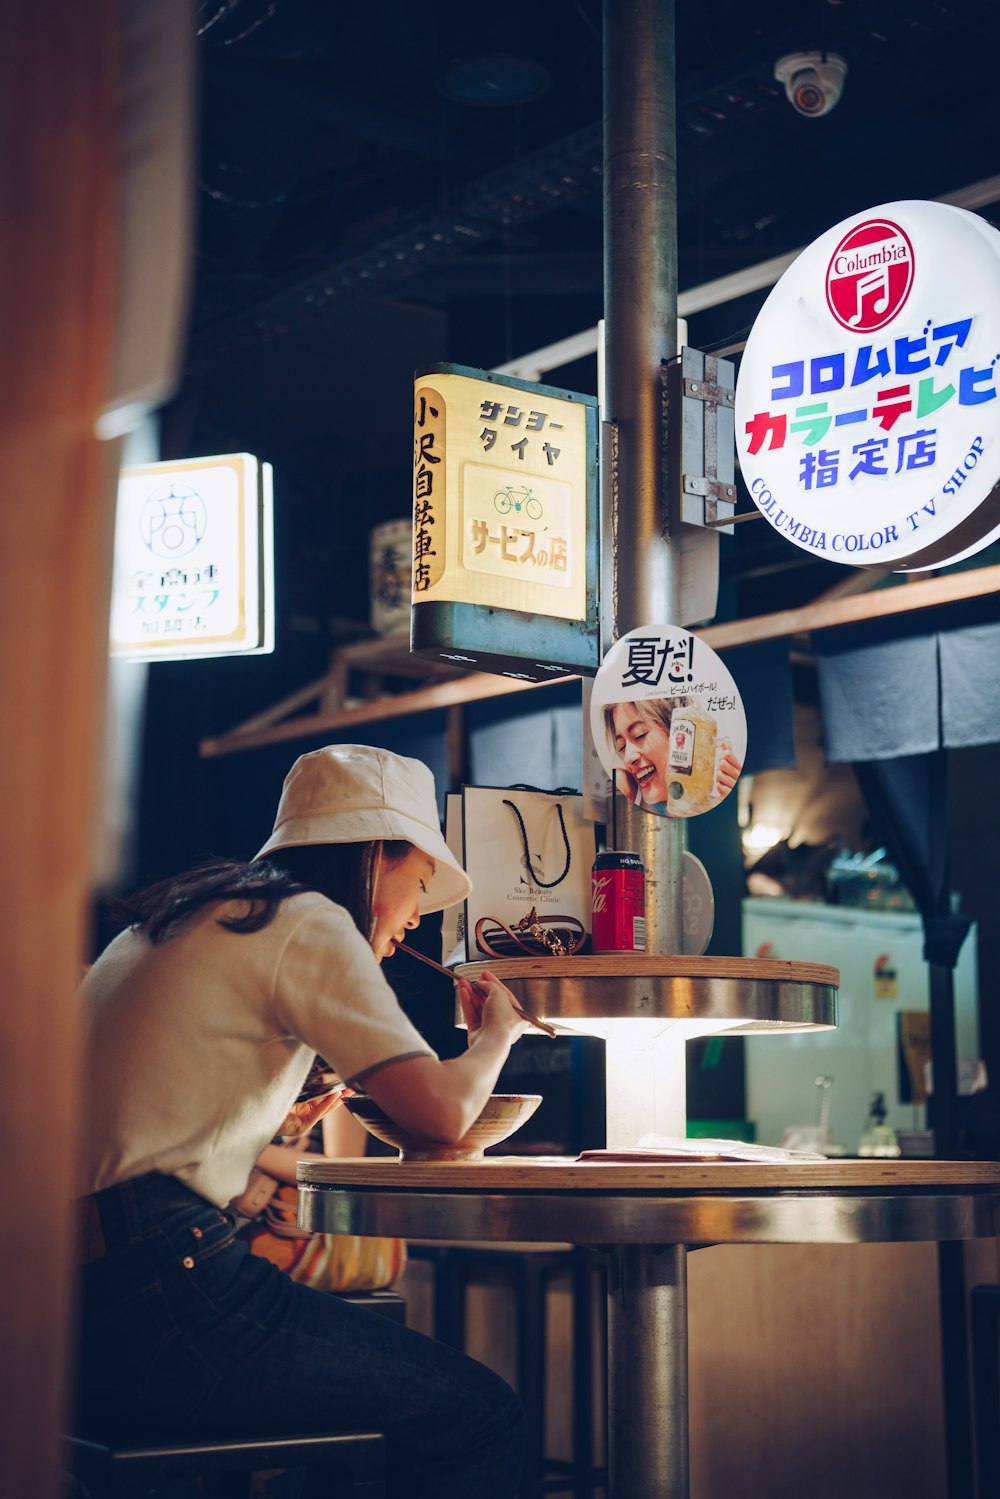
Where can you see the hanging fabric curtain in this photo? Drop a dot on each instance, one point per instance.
(897, 690)
(907, 799)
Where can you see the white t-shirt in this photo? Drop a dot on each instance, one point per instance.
(198, 1045)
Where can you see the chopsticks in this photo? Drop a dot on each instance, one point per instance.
(421, 957)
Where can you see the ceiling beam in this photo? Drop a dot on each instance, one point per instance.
(720, 290)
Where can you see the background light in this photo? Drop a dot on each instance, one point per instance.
(760, 837)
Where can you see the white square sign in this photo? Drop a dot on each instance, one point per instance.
(193, 570)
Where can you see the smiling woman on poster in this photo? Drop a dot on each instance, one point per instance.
(670, 753)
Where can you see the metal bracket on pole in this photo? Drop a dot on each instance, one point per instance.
(698, 400)
(709, 390)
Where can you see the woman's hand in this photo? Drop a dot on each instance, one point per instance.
(624, 781)
(302, 1116)
(488, 1006)
(727, 772)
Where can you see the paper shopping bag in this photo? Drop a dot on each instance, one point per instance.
(529, 855)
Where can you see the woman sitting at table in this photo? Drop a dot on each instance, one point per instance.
(204, 1018)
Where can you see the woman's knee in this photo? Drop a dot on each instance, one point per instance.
(476, 1446)
(493, 1413)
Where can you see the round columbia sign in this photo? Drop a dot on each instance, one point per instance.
(667, 721)
(867, 417)
(869, 276)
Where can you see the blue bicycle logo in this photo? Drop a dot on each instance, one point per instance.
(508, 499)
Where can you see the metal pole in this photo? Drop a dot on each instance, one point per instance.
(640, 330)
(647, 1289)
(647, 1372)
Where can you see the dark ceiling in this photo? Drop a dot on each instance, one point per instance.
(382, 185)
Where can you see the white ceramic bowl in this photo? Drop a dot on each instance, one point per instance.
(504, 1113)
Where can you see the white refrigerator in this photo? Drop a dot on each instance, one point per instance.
(882, 971)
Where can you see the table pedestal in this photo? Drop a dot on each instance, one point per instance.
(645, 1084)
(647, 1372)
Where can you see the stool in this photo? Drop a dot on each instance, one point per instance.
(984, 1311)
(454, 1267)
(356, 1463)
(356, 1460)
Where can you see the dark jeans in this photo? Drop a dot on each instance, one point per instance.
(184, 1333)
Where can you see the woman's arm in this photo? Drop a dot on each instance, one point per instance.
(343, 1135)
(439, 1100)
(279, 1161)
(331, 996)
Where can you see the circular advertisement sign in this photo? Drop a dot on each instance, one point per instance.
(667, 721)
(867, 418)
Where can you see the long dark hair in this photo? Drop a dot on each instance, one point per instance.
(343, 872)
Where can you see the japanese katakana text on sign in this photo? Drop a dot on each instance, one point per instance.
(866, 412)
(516, 531)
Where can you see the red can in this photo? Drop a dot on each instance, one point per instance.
(618, 903)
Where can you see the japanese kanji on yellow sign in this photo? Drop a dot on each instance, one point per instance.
(499, 496)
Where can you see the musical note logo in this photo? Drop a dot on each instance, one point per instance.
(874, 281)
(869, 275)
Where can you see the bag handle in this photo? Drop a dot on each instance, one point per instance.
(553, 934)
(542, 884)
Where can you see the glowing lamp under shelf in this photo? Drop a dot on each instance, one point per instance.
(644, 1006)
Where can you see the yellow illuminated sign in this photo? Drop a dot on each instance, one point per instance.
(499, 497)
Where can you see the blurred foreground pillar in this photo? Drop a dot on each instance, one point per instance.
(57, 485)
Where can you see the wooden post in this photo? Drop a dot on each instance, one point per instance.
(58, 96)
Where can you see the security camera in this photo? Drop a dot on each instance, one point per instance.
(814, 81)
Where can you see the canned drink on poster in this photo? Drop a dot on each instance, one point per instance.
(667, 722)
(618, 908)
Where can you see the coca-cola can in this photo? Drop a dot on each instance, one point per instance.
(618, 903)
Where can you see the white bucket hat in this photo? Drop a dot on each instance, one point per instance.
(353, 793)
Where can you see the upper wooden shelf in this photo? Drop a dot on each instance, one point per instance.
(442, 687)
(377, 660)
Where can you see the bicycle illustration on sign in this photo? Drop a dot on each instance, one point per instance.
(507, 499)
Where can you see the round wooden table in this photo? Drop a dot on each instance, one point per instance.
(647, 1215)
